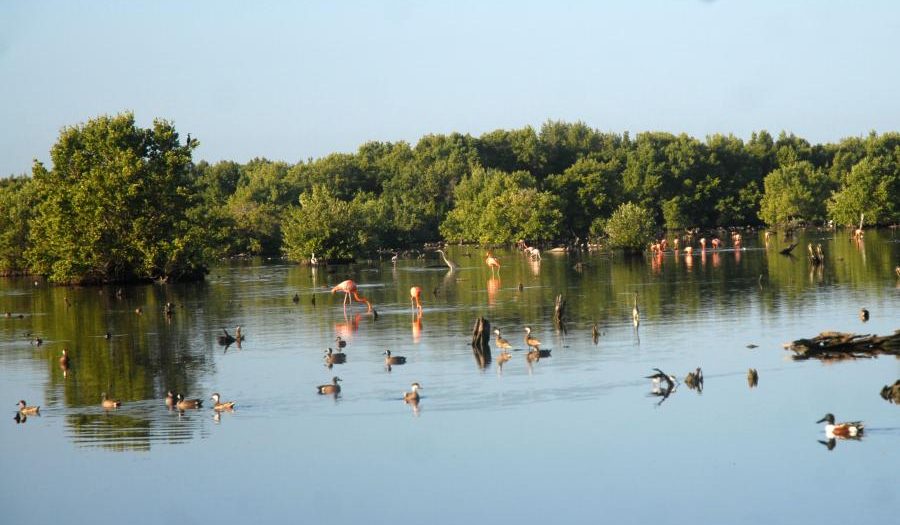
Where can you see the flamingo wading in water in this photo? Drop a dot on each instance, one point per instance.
(492, 262)
(349, 289)
(414, 295)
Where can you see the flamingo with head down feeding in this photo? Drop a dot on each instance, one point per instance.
(415, 294)
(349, 289)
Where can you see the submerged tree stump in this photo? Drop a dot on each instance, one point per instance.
(559, 312)
(481, 341)
(840, 345)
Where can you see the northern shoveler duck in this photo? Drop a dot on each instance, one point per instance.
(413, 395)
(847, 429)
(502, 343)
(331, 388)
(227, 405)
(186, 404)
(340, 342)
(393, 359)
(26, 410)
(109, 403)
(334, 358)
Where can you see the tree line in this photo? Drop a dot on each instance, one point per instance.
(123, 203)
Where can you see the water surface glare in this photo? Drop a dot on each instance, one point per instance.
(578, 437)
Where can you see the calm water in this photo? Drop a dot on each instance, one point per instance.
(575, 438)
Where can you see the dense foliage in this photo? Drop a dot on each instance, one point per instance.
(112, 185)
(631, 227)
(116, 206)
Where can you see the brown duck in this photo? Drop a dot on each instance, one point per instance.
(331, 388)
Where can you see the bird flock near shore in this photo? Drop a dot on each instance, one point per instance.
(662, 383)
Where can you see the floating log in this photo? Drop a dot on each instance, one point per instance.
(839, 345)
(481, 338)
(789, 249)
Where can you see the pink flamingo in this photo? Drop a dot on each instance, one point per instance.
(415, 294)
(349, 288)
(493, 262)
(703, 244)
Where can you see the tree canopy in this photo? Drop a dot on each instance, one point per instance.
(116, 205)
(122, 202)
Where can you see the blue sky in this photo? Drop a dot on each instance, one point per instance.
(289, 81)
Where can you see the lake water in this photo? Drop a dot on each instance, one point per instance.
(576, 438)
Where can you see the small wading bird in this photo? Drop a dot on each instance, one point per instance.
(845, 430)
(493, 263)
(502, 343)
(331, 388)
(413, 395)
(349, 289)
(64, 360)
(531, 342)
(26, 410)
(415, 294)
(534, 344)
(227, 405)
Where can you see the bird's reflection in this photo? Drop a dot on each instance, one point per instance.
(20, 418)
(417, 327)
(535, 267)
(493, 286)
(414, 405)
(349, 327)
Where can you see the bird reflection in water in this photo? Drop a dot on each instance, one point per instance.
(346, 329)
(417, 327)
(663, 385)
(493, 286)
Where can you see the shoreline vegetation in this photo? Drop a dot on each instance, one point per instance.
(123, 204)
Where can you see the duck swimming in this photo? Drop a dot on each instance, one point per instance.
(187, 404)
(227, 405)
(26, 410)
(413, 395)
(332, 388)
(845, 430)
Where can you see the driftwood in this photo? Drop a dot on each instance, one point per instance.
(559, 312)
(789, 249)
(839, 345)
(481, 338)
